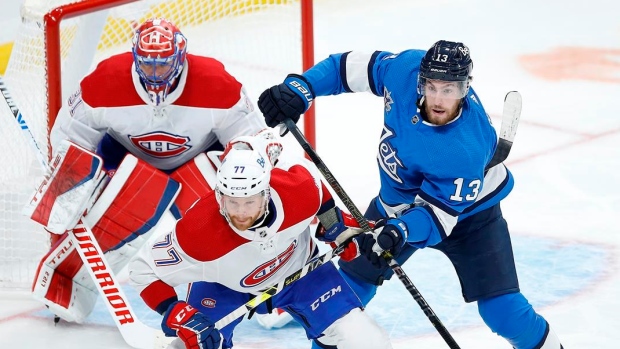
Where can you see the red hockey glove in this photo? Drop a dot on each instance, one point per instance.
(361, 245)
(192, 327)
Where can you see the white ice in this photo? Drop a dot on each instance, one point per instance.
(564, 58)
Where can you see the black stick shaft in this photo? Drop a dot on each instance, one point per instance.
(363, 222)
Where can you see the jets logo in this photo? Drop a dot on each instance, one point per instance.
(161, 144)
(388, 157)
(267, 269)
(387, 99)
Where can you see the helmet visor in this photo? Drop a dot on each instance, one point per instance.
(442, 89)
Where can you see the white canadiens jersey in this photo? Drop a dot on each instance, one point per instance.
(204, 247)
(207, 106)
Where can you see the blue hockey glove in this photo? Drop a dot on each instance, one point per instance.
(192, 327)
(287, 100)
(336, 226)
(391, 235)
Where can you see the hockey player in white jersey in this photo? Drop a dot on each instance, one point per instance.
(248, 234)
(158, 103)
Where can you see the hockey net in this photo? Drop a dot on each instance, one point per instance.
(259, 42)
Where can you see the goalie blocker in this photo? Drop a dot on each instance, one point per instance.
(122, 218)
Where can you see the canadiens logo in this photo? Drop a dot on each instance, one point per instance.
(388, 157)
(208, 302)
(267, 269)
(161, 144)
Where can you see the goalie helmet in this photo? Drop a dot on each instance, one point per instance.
(159, 52)
(446, 61)
(244, 173)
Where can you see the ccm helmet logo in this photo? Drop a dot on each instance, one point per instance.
(238, 188)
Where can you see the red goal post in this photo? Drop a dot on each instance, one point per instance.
(59, 41)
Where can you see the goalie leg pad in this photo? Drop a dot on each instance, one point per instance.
(62, 283)
(132, 204)
(65, 191)
(197, 178)
(123, 217)
(354, 330)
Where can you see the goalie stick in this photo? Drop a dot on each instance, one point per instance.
(19, 118)
(363, 222)
(134, 332)
(510, 121)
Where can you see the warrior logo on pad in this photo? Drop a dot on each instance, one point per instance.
(161, 144)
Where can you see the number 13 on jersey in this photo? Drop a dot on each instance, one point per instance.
(470, 191)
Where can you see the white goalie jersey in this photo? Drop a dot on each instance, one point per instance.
(208, 105)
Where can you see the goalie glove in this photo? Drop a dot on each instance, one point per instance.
(71, 186)
(192, 327)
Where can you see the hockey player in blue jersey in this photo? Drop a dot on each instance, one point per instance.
(435, 189)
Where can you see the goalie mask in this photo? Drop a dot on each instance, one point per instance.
(242, 187)
(159, 52)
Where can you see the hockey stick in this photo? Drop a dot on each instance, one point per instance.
(22, 123)
(134, 332)
(363, 222)
(510, 121)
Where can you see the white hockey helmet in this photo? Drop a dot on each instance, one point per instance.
(244, 172)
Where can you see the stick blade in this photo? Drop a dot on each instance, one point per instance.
(510, 116)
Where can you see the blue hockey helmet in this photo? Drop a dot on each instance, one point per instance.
(446, 61)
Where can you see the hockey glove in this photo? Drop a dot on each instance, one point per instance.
(192, 327)
(362, 245)
(287, 100)
(337, 226)
(391, 235)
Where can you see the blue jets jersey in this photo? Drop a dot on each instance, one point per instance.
(440, 170)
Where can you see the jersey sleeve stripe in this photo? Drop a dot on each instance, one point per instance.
(356, 65)
(371, 77)
(431, 200)
(343, 71)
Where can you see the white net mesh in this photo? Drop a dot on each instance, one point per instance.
(259, 42)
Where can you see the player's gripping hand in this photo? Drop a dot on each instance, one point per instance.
(192, 327)
(287, 100)
(361, 246)
(389, 235)
(340, 227)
